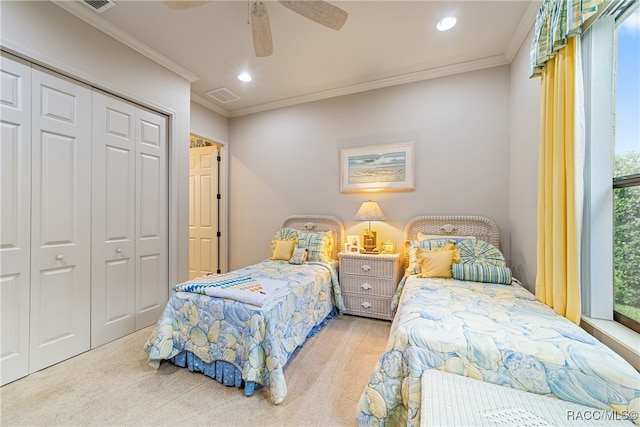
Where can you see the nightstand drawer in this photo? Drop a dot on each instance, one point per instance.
(367, 306)
(368, 286)
(368, 267)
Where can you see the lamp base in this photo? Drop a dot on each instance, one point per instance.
(369, 242)
(373, 251)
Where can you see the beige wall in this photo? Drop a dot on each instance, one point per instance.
(44, 33)
(285, 161)
(524, 129)
(209, 124)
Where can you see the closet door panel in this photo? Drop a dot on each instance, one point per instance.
(151, 216)
(113, 237)
(15, 221)
(60, 219)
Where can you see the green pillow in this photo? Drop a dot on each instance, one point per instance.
(480, 252)
(485, 273)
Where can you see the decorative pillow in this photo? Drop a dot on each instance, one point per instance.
(480, 252)
(299, 256)
(486, 273)
(449, 246)
(319, 244)
(283, 249)
(436, 263)
(284, 234)
(412, 247)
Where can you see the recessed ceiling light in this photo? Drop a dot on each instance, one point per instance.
(446, 23)
(244, 77)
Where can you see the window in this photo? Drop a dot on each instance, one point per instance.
(626, 171)
(610, 252)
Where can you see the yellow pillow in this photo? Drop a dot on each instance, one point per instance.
(283, 249)
(450, 246)
(436, 263)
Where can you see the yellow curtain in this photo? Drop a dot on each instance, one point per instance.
(557, 280)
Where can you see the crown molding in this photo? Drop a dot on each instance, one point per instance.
(94, 19)
(526, 23)
(432, 73)
(210, 105)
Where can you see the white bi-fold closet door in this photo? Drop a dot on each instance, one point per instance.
(45, 247)
(129, 227)
(69, 208)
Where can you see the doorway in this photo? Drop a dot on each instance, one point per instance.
(204, 207)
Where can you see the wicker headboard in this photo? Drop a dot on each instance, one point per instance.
(455, 225)
(319, 223)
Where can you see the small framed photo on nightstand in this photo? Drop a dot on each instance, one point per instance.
(353, 243)
(388, 247)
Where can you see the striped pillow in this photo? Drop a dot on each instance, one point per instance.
(319, 244)
(486, 273)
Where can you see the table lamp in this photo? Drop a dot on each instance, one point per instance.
(370, 211)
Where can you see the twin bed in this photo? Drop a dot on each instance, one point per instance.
(446, 330)
(497, 333)
(245, 342)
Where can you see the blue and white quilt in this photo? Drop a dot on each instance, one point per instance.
(258, 341)
(495, 333)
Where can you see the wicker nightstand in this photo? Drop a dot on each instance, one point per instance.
(368, 283)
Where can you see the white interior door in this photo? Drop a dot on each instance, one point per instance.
(152, 270)
(113, 221)
(203, 215)
(15, 210)
(60, 219)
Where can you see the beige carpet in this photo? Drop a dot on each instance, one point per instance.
(113, 385)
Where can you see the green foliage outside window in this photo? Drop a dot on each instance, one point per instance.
(627, 239)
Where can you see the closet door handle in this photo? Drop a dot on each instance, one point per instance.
(59, 257)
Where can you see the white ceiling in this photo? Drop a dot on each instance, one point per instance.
(383, 43)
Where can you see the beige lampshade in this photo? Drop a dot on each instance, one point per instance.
(370, 211)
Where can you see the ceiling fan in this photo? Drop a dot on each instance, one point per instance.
(318, 11)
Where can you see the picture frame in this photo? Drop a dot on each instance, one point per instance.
(388, 247)
(354, 243)
(377, 168)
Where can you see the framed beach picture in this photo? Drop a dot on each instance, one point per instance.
(377, 168)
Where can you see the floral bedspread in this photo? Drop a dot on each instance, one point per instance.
(256, 340)
(495, 333)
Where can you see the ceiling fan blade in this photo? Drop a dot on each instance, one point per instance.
(261, 29)
(318, 11)
(184, 4)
